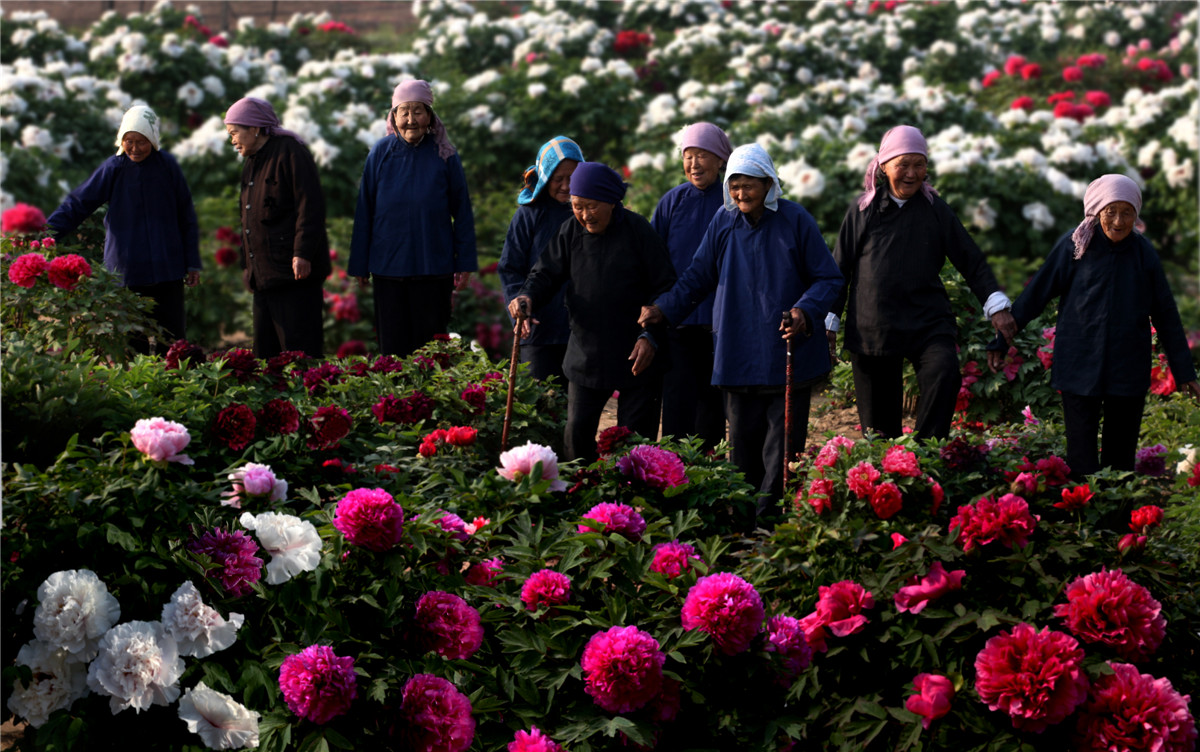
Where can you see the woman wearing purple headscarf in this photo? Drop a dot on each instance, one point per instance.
(891, 248)
(285, 251)
(414, 231)
(1111, 288)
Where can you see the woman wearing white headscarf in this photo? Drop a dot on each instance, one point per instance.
(151, 238)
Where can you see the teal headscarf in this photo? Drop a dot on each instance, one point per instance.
(552, 152)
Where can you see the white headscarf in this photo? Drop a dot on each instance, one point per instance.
(139, 119)
(754, 161)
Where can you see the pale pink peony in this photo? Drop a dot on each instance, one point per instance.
(726, 607)
(861, 479)
(919, 592)
(161, 440)
(673, 558)
(1035, 677)
(371, 518)
(932, 701)
(435, 716)
(220, 721)
(138, 666)
(622, 668)
(657, 468)
(57, 682)
(1107, 607)
(617, 518)
(839, 609)
(198, 629)
(519, 462)
(901, 461)
(545, 588)
(317, 684)
(1128, 710)
(74, 611)
(448, 625)
(254, 482)
(533, 741)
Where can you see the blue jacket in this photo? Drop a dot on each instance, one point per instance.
(413, 217)
(681, 217)
(532, 228)
(151, 231)
(759, 271)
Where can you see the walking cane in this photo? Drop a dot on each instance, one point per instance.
(787, 406)
(512, 376)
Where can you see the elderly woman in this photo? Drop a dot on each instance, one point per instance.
(414, 232)
(285, 251)
(544, 204)
(1111, 288)
(616, 264)
(761, 255)
(891, 248)
(692, 406)
(151, 238)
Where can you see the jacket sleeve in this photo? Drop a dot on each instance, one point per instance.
(81, 202)
(845, 255)
(465, 258)
(661, 219)
(514, 265)
(965, 254)
(359, 263)
(552, 270)
(1172, 337)
(311, 241)
(660, 273)
(189, 226)
(698, 280)
(1048, 283)
(823, 280)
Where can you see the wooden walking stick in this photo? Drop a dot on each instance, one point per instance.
(787, 406)
(512, 375)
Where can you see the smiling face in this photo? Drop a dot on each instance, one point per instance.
(137, 147)
(750, 194)
(905, 174)
(411, 120)
(558, 188)
(1117, 220)
(702, 167)
(246, 140)
(592, 214)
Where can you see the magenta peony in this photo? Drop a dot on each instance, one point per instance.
(435, 716)
(835, 448)
(279, 416)
(161, 440)
(920, 592)
(22, 219)
(726, 607)
(317, 684)
(27, 268)
(234, 555)
(1107, 607)
(861, 479)
(657, 468)
(932, 701)
(1006, 520)
(448, 625)
(67, 271)
(484, 573)
(820, 493)
(329, 425)
(673, 558)
(533, 741)
(617, 518)
(839, 609)
(521, 461)
(234, 427)
(371, 518)
(902, 462)
(1035, 677)
(545, 588)
(886, 500)
(785, 637)
(622, 668)
(1128, 710)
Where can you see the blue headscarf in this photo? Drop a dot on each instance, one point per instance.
(598, 182)
(552, 152)
(754, 161)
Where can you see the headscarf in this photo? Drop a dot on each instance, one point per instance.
(139, 119)
(1105, 190)
(417, 90)
(708, 137)
(258, 113)
(903, 139)
(598, 182)
(549, 156)
(754, 161)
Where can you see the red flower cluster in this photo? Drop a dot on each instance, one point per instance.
(1006, 520)
(1144, 518)
(225, 257)
(1035, 677)
(1162, 381)
(630, 43)
(727, 608)
(336, 27)
(820, 492)
(484, 573)
(459, 436)
(1109, 608)
(316, 379)
(1133, 711)
(414, 408)
(1075, 498)
(181, 353)
(279, 417)
(611, 439)
(861, 479)
(328, 426)
(475, 396)
(240, 362)
(350, 348)
(27, 268)
(234, 427)
(839, 609)
(66, 272)
(344, 307)
(22, 219)
(886, 500)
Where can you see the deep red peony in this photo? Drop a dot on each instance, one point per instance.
(1035, 677)
(1133, 711)
(1108, 608)
(234, 427)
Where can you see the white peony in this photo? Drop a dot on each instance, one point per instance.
(1038, 215)
(138, 666)
(294, 544)
(573, 84)
(535, 90)
(57, 682)
(983, 215)
(74, 610)
(221, 722)
(191, 94)
(198, 629)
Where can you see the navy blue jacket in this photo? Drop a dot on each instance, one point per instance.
(681, 218)
(532, 228)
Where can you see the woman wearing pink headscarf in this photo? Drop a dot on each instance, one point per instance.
(414, 231)
(1111, 287)
(893, 243)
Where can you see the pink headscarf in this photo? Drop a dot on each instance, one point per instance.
(1105, 190)
(708, 137)
(903, 139)
(417, 90)
(257, 113)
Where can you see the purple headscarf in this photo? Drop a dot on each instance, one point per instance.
(417, 90)
(903, 139)
(1101, 192)
(708, 137)
(257, 113)
(598, 182)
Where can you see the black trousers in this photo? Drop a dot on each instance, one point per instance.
(638, 407)
(168, 312)
(408, 312)
(691, 405)
(756, 435)
(289, 318)
(545, 361)
(879, 389)
(1122, 426)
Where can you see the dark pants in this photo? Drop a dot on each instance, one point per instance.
(879, 389)
(545, 361)
(638, 407)
(289, 318)
(168, 312)
(756, 433)
(1122, 425)
(691, 405)
(408, 312)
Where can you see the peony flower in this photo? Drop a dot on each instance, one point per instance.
(622, 668)
(1030, 418)
(161, 440)
(181, 353)
(1021, 103)
(1075, 497)
(484, 573)
(234, 427)
(225, 257)
(1053, 471)
(835, 448)
(198, 629)
(886, 500)
(1030, 71)
(861, 479)
(533, 741)
(616, 518)
(74, 611)
(726, 607)
(1013, 65)
(370, 518)
(447, 625)
(279, 417)
(932, 701)
(673, 558)
(898, 540)
(1035, 677)
(435, 716)
(317, 379)
(521, 461)
(655, 467)
(22, 219)
(1128, 710)
(221, 722)
(454, 524)
(1007, 520)
(476, 397)
(611, 439)
(937, 494)
(317, 684)
(919, 593)
(329, 425)
(1151, 460)
(293, 543)
(27, 268)
(67, 271)
(545, 588)
(461, 436)
(254, 482)
(785, 637)
(1142, 519)
(1025, 484)
(138, 666)
(234, 555)
(839, 608)
(1109, 608)
(241, 363)
(902, 462)
(57, 682)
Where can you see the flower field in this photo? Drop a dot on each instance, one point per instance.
(202, 550)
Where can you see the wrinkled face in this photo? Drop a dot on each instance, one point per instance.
(411, 120)
(244, 138)
(137, 147)
(1117, 220)
(750, 194)
(559, 185)
(702, 167)
(905, 174)
(593, 215)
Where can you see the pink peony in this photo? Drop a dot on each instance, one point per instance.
(521, 461)
(234, 427)
(328, 426)
(1013, 65)
(919, 593)
(622, 668)
(1109, 608)
(161, 440)
(545, 588)
(1007, 520)
(317, 684)
(22, 219)
(1072, 73)
(617, 518)
(1128, 710)
(278, 417)
(67, 271)
(932, 701)
(455, 525)
(820, 492)
(728, 608)
(254, 482)
(370, 518)
(1098, 98)
(902, 462)
(1035, 677)
(861, 479)
(27, 268)
(673, 559)
(1131, 542)
(1025, 484)
(435, 716)
(1144, 518)
(839, 608)
(233, 553)
(838, 446)
(448, 625)
(484, 573)
(886, 500)
(1075, 497)
(785, 637)
(898, 540)
(533, 741)
(657, 468)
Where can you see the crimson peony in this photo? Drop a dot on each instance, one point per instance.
(1035, 677)
(1128, 710)
(1107, 607)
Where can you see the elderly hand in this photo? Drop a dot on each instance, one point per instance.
(192, 279)
(301, 267)
(363, 281)
(651, 314)
(519, 308)
(798, 325)
(642, 355)
(995, 360)
(833, 351)
(1004, 323)
(460, 279)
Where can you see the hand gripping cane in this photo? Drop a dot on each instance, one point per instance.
(512, 375)
(787, 406)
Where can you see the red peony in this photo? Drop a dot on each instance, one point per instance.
(886, 500)
(316, 379)
(67, 271)
(622, 668)
(1035, 677)
(240, 362)
(475, 396)
(328, 427)
(1072, 73)
(1129, 541)
(461, 436)
(920, 592)
(902, 462)
(1013, 65)
(1075, 498)
(1053, 471)
(991, 77)
(234, 427)
(1007, 520)
(351, 348)
(1144, 518)
(279, 417)
(937, 494)
(448, 625)
(484, 573)
(27, 268)
(861, 479)
(726, 607)
(611, 439)
(225, 257)
(1022, 103)
(1030, 71)
(820, 492)
(1128, 710)
(181, 353)
(1098, 98)
(1162, 381)
(1109, 608)
(932, 701)
(545, 588)
(22, 219)
(839, 609)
